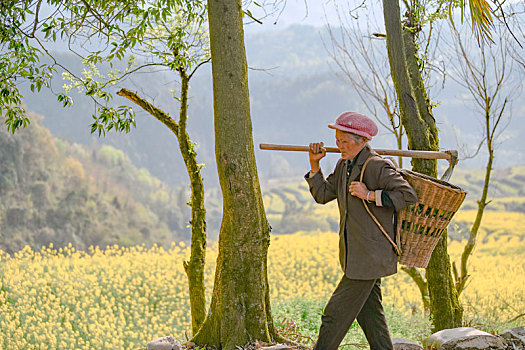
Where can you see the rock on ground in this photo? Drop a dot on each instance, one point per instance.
(405, 344)
(464, 338)
(514, 337)
(276, 347)
(164, 343)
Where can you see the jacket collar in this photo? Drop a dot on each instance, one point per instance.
(361, 159)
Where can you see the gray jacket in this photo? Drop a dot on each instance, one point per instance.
(367, 253)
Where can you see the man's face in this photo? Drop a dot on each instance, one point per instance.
(347, 144)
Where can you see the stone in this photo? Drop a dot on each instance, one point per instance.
(477, 342)
(276, 347)
(405, 344)
(514, 337)
(164, 343)
(464, 338)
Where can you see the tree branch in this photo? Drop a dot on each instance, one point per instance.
(197, 67)
(151, 109)
(95, 14)
(421, 284)
(35, 25)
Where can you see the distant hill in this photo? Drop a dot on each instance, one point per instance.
(55, 191)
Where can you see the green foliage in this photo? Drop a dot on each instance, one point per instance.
(52, 191)
(120, 118)
(165, 33)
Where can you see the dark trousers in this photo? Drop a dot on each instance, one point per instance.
(353, 299)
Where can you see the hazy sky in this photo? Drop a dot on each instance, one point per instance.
(310, 12)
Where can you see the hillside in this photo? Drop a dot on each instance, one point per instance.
(54, 191)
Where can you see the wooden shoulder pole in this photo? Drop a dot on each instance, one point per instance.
(451, 156)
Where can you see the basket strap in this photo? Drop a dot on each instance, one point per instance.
(396, 248)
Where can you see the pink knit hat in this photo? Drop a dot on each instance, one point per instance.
(356, 123)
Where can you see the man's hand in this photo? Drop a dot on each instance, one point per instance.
(317, 152)
(360, 190)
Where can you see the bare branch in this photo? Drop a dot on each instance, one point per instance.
(96, 14)
(128, 73)
(151, 109)
(486, 75)
(421, 284)
(516, 318)
(197, 67)
(504, 16)
(35, 25)
(357, 59)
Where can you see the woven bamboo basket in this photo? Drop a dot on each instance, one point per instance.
(419, 226)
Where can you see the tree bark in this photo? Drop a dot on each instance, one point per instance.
(414, 125)
(240, 307)
(445, 310)
(195, 266)
(426, 119)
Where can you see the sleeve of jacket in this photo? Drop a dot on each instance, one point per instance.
(399, 190)
(323, 190)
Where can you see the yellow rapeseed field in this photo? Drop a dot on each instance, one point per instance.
(121, 298)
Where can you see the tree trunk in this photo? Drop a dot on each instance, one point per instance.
(426, 119)
(195, 266)
(445, 309)
(414, 126)
(446, 312)
(482, 203)
(240, 307)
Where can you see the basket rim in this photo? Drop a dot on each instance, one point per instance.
(436, 182)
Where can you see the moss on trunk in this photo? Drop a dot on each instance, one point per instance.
(195, 266)
(240, 308)
(420, 126)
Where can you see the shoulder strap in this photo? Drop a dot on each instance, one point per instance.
(396, 248)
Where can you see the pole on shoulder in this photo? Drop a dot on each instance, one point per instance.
(451, 156)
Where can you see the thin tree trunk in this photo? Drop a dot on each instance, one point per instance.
(240, 308)
(399, 139)
(482, 203)
(446, 312)
(195, 266)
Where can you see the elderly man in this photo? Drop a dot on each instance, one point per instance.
(365, 253)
